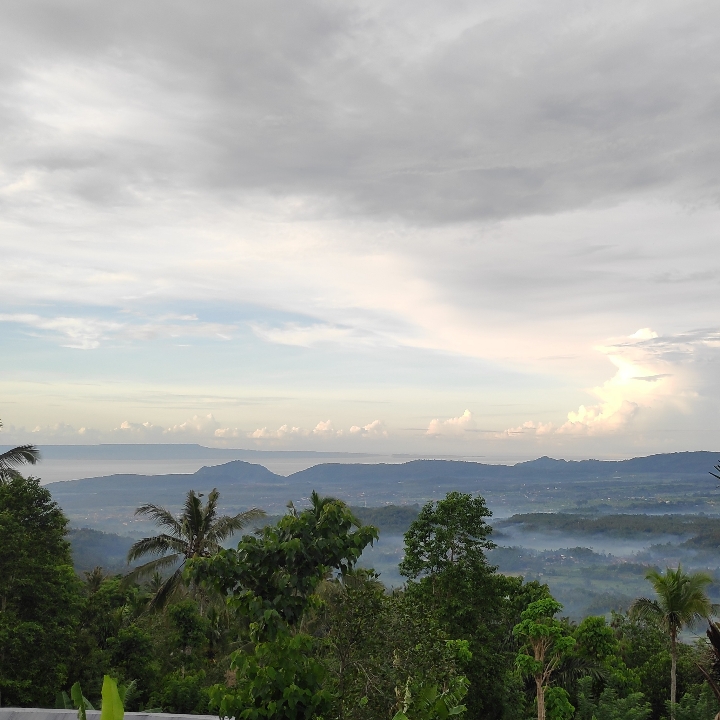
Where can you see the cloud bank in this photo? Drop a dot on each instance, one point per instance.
(362, 210)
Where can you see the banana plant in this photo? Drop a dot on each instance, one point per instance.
(75, 701)
(113, 698)
(112, 707)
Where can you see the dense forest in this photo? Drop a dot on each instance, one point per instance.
(284, 624)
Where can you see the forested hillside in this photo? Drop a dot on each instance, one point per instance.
(286, 625)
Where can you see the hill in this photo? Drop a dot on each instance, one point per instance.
(677, 482)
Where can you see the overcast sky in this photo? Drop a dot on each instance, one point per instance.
(475, 228)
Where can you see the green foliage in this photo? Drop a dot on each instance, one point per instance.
(279, 679)
(192, 631)
(426, 702)
(270, 579)
(545, 642)
(681, 599)
(557, 704)
(39, 595)
(595, 639)
(11, 459)
(112, 707)
(698, 705)
(609, 706)
(446, 534)
(285, 627)
(182, 692)
(81, 702)
(373, 643)
(131, 655)
(451, 579)
(197, 533)
(681, 602)
(545, 636)
(273, 574)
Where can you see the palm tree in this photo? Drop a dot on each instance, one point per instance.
(197, 532)
(17, 456)
(94, 579)
(681, 602)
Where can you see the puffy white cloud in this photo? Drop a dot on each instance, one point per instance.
(452, 426)
(205, 425)
(264, 434)
(324, 429)
(530, 427)
(651, 371)
(138, 431)
(374, 429)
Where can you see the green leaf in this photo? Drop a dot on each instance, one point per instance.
(112, 708)
(79, 700)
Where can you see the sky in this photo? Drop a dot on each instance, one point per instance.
(487, 229)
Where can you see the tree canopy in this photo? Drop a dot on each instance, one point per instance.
(198, 532)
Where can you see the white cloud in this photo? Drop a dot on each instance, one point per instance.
(282, 432)
(346, 169)
(452, 426)
(374, 429)
(198, 427)
(324, 429)
(652, 371)
(530, 427)
(138, 431)
(86, 333)
(205, 425)
(312, 334)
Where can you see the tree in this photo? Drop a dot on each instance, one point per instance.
(198, 532)
(682, 601)
(20, 455)
(545, 643)
(447, 534)
(378, 647)
(450, 577)
(270, 579)
(39, 594)
(609, 706)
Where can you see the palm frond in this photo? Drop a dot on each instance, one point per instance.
(151, 567)
(681, 598)
(157, 545)
(646, 609)
(17, 456)
(209, 512)
(716, 474)
(167, 590)
(226, 525)
(573, 667)
(318, 503)
(191, 517)
(161, 516)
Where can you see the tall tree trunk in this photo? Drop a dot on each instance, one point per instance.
(673, 672)
(540, 698)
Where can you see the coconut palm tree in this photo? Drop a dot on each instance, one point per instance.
(17, 456)
(197, 532)
(681, 602)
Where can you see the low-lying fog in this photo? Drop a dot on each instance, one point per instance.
(517, 536)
